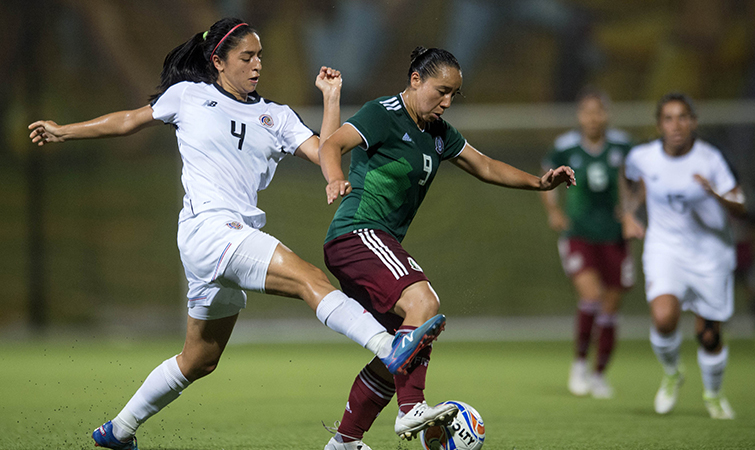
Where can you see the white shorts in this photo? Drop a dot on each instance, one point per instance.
(221, 254)
(710, 296)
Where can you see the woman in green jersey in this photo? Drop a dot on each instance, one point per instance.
(402, 140)
(593, 252)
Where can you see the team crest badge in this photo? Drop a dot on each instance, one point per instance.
(413, 264)
(266, 120)
(234, 225)
(439, 145)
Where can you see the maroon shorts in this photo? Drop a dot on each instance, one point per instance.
(612, 260)
(373, 269)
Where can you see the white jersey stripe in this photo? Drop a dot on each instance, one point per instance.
(377, 253)
(391, 104)
(376, 386)
(380, 246)
(374, 389)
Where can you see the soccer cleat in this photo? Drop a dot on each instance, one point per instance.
(333, 444)
(665, 399)
(599, 387)
(103, 437)
(718, 406)
(579, 382)
(407, 344)
(422, 416)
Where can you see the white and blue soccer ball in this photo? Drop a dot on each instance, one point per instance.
(466, 432)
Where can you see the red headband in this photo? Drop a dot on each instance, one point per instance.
(226, 35)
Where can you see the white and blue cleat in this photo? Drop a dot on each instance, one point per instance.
(103, 437)
(406, 345)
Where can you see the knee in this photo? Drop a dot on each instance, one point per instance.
(665, 326)
(314, 281)
(665, 318)
(425, 306)
(709, 337)
(201, 369)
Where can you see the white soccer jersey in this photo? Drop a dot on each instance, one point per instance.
(230, 149)
(685, 224)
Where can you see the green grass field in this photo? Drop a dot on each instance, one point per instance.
(275, 396)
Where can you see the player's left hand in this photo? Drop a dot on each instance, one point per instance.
(554, 177)
(336, 188)
(702, 181)
(329, 80)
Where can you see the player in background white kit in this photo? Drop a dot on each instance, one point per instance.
(231, 141)
(689, 254)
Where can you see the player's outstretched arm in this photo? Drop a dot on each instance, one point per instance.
(499, 173)
(119, 123)
(328, 81)
(331, 151)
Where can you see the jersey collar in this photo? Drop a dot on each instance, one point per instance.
(252, 98)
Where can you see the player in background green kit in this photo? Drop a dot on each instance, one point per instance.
(402, 140)
(593, 252)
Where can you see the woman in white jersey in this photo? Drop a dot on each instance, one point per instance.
(688, 256)
(231, 141)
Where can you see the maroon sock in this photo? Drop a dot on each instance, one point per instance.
(606, 329)
(369, 395)
(586, 312)
(410, 389)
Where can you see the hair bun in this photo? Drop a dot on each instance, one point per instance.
(419, 50)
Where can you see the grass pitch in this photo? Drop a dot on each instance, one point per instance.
(274, 397)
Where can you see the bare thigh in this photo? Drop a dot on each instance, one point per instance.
(290, 276)
(588, 285)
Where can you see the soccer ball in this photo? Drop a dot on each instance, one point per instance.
(466, 432)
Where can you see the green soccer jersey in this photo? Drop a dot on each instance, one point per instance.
(392, 173)
(592, 204)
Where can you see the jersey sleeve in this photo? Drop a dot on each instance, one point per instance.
(166, 106)
(454, 143)
(631, 166)
(293, 132)
(723, 178)
(368, 123)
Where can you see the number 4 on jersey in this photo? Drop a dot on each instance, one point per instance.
(240, 134)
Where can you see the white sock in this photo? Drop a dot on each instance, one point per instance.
(381, 344)
(712, 369)
(345, 315)
(666, 348)
(162, 386)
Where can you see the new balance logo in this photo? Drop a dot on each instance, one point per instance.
(392, 104)
(406, 138)
(409, 337)
(210, 103)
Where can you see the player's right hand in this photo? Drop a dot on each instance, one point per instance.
(44, 131)
(336, 188)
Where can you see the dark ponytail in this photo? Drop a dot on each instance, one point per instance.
(427, 62)
(190, 61)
